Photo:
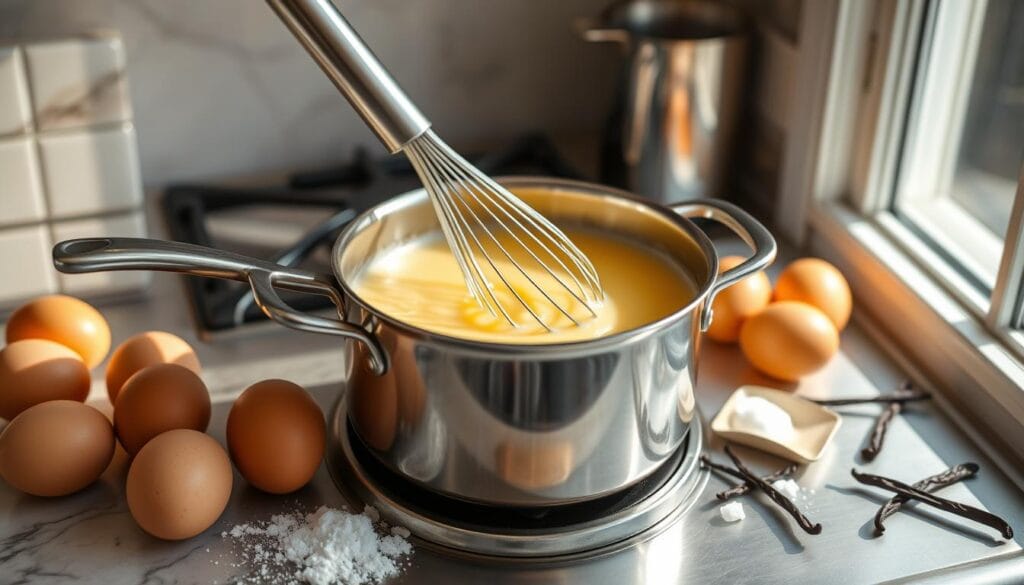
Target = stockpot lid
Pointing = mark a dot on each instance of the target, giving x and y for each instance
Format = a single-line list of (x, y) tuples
[(665, 20)]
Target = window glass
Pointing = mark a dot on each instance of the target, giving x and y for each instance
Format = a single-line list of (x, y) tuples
[(964, 143)]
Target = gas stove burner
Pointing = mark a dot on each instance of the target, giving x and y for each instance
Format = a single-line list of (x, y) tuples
[(554, 533)]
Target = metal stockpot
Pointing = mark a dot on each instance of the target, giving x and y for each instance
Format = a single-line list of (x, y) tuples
[(504, 424), (670, 134)]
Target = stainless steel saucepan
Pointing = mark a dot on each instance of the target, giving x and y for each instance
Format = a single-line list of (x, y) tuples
[(502, 424)]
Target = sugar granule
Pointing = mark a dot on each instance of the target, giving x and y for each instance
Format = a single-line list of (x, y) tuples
[(732, 512), (326, 546), (787, 487)]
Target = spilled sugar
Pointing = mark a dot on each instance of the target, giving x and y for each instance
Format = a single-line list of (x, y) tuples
[(323, 547), (787, 487), (732, 512)]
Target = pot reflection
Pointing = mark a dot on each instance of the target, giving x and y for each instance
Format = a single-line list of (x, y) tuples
[(391, 413), (537, 396), (534, 466), (382, 406), (663, 390)]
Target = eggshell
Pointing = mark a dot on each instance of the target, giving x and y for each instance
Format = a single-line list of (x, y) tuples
[(33, 371), (65, 320), (147, 349), (817, 283), (179, 484), (788, 340), (157, 399), (276, 436), (56, 448), (744, 299)]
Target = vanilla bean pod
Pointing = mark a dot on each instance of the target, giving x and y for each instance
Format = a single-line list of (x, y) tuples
[(707, 462), (906, 393), (962, 510), (775, 496), (878, 432), (935, 482), (746, 487)]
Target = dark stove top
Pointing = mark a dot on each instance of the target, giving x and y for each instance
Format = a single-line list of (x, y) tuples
[(295, 224)]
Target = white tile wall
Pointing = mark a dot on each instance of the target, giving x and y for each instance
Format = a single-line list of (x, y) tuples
[(102, 283), (28, 269), (21, 195), (78, 82), (92, 171), (14, 106), (69, 165)]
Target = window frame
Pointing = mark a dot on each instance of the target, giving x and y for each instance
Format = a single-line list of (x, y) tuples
[(856, 71), (929, 210)]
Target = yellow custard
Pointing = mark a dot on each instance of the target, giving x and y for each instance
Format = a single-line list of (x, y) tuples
[(420, 283)]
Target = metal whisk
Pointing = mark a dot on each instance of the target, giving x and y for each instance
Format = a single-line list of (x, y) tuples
[(507, 252)]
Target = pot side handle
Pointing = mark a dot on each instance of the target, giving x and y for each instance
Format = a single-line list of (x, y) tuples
[(102, 254), (747, 228)]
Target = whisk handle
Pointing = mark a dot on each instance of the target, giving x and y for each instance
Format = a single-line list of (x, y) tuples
[(354, 69)]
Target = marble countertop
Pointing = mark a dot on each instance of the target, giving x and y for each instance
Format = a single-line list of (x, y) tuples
[(90, 536)]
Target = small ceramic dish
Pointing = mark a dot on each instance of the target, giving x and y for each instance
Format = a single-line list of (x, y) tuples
[(813, 425)]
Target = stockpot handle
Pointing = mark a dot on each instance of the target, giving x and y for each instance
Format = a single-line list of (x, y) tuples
[(103, 254), (747, 228)]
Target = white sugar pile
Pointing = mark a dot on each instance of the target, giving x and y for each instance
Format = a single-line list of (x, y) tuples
[(757, 415), (324, 547)]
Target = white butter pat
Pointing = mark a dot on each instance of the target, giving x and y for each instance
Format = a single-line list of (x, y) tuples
[(787, 487), (732, 512), (757, 415)]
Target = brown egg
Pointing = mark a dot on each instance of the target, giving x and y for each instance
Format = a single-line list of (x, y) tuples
[(56, 448), (157, 399), (66, 320), (147, 349), (735, 304), (179, 484), (37, 370), (276, 435), (788, 340), (817, 283)]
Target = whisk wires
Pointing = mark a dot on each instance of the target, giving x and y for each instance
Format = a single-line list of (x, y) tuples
[(484, 223)]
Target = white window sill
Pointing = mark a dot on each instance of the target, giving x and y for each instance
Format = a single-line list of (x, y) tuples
[(930, 328), (952, 228)]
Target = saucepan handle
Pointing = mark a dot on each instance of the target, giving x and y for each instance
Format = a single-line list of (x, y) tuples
[(102, 254), (747, 228)]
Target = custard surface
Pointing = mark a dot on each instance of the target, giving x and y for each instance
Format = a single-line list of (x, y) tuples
[(420, 283)]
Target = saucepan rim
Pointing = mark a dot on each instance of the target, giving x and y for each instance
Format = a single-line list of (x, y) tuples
[(533, 350)]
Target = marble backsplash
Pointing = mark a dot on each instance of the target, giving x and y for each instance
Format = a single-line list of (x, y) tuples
[(220, 88)]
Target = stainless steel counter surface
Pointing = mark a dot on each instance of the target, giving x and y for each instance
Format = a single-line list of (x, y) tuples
[(90, 536)]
